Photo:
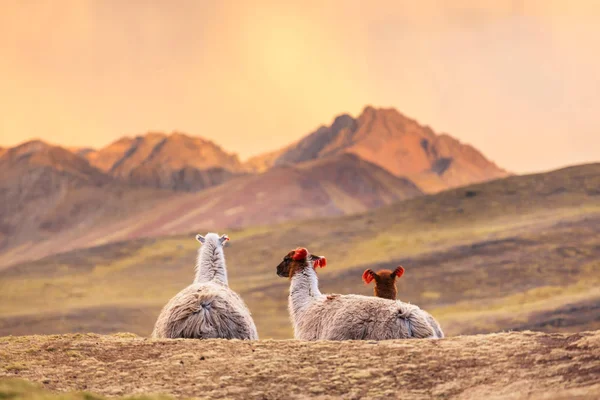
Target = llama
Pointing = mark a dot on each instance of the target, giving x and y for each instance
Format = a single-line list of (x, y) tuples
[(385, 287), (385, 281), (208, 308), (316, 316)]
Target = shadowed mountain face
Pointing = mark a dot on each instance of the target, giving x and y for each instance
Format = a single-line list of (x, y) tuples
[(175, 161), (35, 177), (396, 143), (333, 186), (55, 201), (36, 169), (46, 190)]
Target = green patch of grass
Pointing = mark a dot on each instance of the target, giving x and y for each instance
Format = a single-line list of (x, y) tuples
[(19, 389), (73, 354), (125, 335)]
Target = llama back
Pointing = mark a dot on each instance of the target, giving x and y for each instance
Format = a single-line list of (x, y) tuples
[(205, 311), (355, 317)]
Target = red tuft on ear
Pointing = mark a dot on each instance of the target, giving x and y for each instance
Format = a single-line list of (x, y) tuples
[(320, 262), (367, 276), (300, 254), (399, 271)]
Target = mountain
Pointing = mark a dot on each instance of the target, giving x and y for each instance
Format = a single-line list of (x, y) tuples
[(334, 186), (176, 161), (36, 169), (81, 151), (397, 143), (46, 190), (36, 177), (263, 162)]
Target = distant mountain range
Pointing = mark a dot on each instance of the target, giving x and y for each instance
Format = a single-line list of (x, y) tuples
[(55, 199)]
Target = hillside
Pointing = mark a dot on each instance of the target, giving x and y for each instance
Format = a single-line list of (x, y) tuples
[(517, 253), (36, 177), (176, 161), (47, 191), (394, 142), (508, 365), (334, 186)]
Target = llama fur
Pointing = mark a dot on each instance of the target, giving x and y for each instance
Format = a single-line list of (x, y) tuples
[(208, 308), (385, 288), (316, 316)]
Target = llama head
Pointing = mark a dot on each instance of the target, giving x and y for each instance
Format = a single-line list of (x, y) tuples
[(213, 238), (297, 260), (385, 281)]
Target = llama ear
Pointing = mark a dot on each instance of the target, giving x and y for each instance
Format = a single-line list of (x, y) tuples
[(300, 254), (200, 238), (223, 239), (319, 261), (368, 276), (399, 271)]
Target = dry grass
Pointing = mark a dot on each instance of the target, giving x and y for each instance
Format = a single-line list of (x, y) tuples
[(497, 366)]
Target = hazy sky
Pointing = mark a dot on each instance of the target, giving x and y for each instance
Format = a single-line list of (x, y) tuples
[(520, 80)]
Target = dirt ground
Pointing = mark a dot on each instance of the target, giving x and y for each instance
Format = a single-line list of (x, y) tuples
[(516, 365)]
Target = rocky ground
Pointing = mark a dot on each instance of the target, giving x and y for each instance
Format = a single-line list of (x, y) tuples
[(516, 365)]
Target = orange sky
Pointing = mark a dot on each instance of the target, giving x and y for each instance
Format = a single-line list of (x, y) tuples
[(519, 80)]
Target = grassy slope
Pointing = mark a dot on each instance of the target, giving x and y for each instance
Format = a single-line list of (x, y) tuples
[(14, 388), (517, 253)]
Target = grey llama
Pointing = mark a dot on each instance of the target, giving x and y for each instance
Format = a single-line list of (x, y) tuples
[(208, 308), (316, 316)]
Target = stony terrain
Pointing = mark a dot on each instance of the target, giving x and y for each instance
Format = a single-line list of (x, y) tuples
[(513, 365)]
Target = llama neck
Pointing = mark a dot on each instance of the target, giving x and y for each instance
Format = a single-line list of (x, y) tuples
[(210, 264), (303, 290), (385, 292)]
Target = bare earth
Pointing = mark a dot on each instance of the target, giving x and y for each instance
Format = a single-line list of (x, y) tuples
[(515, 365)]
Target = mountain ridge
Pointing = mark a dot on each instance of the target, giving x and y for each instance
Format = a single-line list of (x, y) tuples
[(92, 213), (383, 136), (173, 161), (397, 143)]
